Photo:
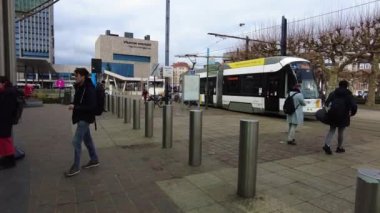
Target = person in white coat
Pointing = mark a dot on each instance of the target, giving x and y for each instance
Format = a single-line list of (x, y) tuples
[(295, 119)]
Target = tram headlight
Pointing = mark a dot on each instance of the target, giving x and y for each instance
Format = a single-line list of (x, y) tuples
[(318, 103)]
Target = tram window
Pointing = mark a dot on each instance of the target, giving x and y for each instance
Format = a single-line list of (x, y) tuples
[(251, 84), (231, 85)]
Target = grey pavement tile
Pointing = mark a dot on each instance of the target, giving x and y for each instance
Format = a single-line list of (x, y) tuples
[(84, 195), (349, 172), (86, 207), (333, 204), (66, 197), (274, 180), (339, 178), (273, 166), (221, 192), (306, 159), (302, 191), (305, 207), (347, 194), (165, 205), (312, 169), (261, 203), (291, 162), (329, 165), (283, 195), (67, 208), (294, 174), (105, 205), (215, 208), (190, 200), (176, 185), (204, 179), (322, 185)]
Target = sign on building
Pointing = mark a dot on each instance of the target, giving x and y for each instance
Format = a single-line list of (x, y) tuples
[(191, 85), (365, 66), (168, 71)]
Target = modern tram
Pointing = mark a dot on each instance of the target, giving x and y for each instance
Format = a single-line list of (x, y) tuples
[(261, 85)]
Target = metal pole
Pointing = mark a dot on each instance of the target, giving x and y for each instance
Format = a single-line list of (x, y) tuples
[(195, 143), (249, 139), (207, 70), (7, 40), (136, 114), (149, 107), (167, 123), (367, 191), (167, 40), (167, 34)]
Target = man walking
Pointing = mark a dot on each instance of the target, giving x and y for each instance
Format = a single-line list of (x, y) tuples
[(296, 118), (83, 115), (342, 107)]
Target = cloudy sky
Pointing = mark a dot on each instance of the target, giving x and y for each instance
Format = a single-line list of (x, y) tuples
[(78, 23)]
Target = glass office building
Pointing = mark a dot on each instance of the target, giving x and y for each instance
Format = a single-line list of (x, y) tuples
[(35, 34)]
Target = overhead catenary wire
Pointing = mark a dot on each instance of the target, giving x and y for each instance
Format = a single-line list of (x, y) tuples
[(299, 20)]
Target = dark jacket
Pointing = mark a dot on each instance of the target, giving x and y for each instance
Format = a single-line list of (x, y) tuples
[(8, 104), (84, 103), (342, 107)]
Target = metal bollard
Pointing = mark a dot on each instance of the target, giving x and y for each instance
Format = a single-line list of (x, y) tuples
[(113, 104), (149, 106), (106, 103), (167, 123), (367, 197), (127, 110), (136, 114), (118, 106), (195, 143), (248, 145)]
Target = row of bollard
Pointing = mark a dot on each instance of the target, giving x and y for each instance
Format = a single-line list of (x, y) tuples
[(367, 191), (248, 144)]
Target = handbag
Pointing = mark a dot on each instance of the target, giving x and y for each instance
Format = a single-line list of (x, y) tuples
[(322, 116)]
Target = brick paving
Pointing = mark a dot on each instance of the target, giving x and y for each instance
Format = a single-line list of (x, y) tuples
[(131, 165)]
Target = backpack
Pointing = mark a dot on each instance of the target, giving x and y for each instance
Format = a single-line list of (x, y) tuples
[(289, 107), (100, 99)]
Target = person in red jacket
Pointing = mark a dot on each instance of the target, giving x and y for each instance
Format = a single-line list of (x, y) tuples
[(8, 111)]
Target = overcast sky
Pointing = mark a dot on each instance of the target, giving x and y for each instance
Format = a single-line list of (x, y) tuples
[(78, 23)]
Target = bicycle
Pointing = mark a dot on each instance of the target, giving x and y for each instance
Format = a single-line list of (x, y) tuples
[(157, 100)]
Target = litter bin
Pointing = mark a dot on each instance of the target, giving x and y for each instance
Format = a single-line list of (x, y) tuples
[(67, 97), (367, 191)]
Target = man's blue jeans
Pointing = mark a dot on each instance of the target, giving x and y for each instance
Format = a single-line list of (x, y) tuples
[(82, 133)]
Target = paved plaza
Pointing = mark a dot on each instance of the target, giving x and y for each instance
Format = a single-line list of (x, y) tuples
[(137, 175)]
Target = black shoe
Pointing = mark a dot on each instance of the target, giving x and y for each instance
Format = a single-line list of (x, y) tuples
[(292, 142), (73, 171), (91, 164), (7, 162), (340, 150), (327, 150)]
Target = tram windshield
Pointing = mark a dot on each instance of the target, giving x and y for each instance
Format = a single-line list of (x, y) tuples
[(305, 77)]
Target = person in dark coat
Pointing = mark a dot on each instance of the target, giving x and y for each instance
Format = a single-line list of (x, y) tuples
[(83, 115), (342, 106), (8, 111)]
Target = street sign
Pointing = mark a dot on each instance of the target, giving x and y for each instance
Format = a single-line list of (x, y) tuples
[(155, 70), (192, 72), (168, 71), (191, 85)]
